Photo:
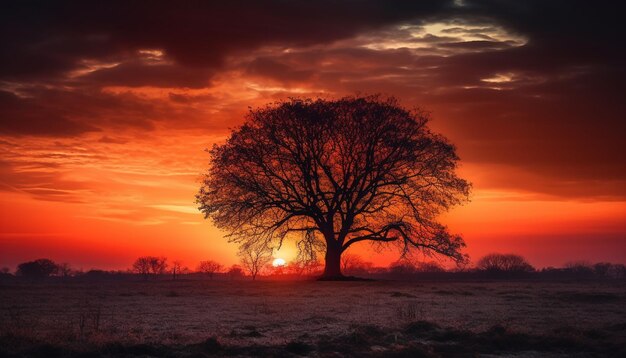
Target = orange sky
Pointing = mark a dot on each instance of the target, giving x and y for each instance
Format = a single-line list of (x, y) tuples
[(103, 127)]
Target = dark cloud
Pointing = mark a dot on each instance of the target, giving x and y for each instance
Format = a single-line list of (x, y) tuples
[(138, 73), (31, 116), (550, 106), (45, 38), (474, 45), (267, 67), (56, 112)]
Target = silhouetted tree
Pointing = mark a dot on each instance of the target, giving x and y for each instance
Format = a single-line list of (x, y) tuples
[(142, 266), (209, 268), (5, 271), (602, 268), (580, 268), (176, 268), (335, 172), (254, 257), (402, 267), (64, 269), (504, 263), (150, 265), (430, 266), (158, 265), (350, 262), (37, 269), (616, 271), (304, 267), (235, 272)]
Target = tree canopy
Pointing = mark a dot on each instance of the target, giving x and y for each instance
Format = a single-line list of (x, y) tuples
[(332, 173), (37, 269), (504, 263)]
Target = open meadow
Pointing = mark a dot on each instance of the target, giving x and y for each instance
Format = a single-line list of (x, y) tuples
[(310, 318)]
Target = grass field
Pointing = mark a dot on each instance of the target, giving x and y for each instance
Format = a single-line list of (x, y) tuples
[(378, 318)]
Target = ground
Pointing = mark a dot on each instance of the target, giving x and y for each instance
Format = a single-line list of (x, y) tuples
[(376, 318)]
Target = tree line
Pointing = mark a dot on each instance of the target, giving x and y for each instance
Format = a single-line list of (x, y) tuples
[(255, 264)]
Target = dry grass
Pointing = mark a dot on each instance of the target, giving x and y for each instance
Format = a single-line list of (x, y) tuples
[(297, 317)]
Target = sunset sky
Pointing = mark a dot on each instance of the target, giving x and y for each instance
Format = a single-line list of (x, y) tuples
[(106, 109)]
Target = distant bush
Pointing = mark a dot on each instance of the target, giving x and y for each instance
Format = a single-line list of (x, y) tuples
[(150, 266), (40, 268), (430, 266), (504, 263), (580, 268), (235, 272), (5, 274), (209, 268), (402, 268), (354, 265)]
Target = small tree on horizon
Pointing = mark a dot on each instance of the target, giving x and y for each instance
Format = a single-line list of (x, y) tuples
[(64, 269), (209, 267), (39, 268), (235, 272), (254, 257), (334, 173), (176, 268), (510, 263), (429, 266), (350, 261), (150, 266)]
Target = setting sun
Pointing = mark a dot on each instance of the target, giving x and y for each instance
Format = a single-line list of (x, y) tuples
[(278, 262)]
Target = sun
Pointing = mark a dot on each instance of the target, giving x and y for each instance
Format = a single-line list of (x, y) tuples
[(278, 262)]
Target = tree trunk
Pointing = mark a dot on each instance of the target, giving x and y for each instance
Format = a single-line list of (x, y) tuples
[(332, 269)]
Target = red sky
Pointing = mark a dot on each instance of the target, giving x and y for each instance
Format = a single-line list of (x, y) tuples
[(105, 113)]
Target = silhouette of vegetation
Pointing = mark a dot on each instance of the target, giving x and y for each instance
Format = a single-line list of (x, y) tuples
[(350, 262), (40, 268), (209, 268), (254, 257), (492, 266), (333, 173), (504, 263), (176, 268), (235, 272), (150, 266), (64, 269)]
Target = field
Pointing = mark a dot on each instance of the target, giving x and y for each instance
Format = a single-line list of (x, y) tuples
[(271, 318)]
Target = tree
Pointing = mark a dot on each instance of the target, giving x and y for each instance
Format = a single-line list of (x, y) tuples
[(335, 173), (142, 266), (355, 265), (504, 263), (350, 262), (150, 265), (234, 272), (402, 267), (37, 269), (306, 267), (430, 266), (64, 269), (158, 265), (176, 269), (579, 267), (254, 257), (209, 268)]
